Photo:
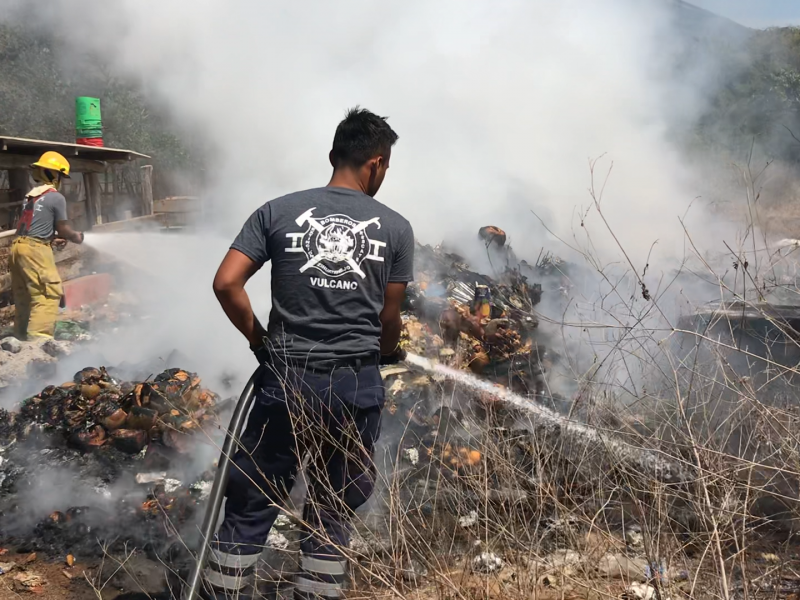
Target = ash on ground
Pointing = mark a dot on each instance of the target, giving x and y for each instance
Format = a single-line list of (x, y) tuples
[(97, 463)]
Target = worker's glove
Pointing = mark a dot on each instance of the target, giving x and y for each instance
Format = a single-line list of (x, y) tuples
[(80, 233), (262, 354), (397, 355)]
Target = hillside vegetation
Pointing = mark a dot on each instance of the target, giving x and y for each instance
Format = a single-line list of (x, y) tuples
[(38, 91), (758, 102), (754, 102)]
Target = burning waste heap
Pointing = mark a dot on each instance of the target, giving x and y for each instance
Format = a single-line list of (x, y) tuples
[(134, 447), (145, 431), (467, 319), (122, 441), (94, 410)]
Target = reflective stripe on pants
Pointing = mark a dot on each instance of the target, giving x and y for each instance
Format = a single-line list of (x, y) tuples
[(320, 577), (230, 573)]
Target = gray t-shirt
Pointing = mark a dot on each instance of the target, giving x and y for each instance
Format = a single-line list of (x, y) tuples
[(333, 251), (40, 214)]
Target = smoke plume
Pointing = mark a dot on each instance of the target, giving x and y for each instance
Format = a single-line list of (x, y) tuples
[(500, 108)]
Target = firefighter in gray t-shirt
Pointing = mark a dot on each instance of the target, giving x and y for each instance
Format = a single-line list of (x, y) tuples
[(34, 277), (341, 261)]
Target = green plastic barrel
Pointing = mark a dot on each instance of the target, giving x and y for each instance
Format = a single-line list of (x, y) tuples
[(87, 113), (89, 133)]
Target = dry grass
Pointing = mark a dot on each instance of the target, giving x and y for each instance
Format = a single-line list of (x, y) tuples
[(568, 519)]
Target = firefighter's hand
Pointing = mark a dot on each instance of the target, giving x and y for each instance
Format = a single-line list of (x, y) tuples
[(262, 354), (398, 355)]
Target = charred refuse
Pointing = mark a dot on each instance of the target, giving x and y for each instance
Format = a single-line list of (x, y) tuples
[(468, 319), (95, 409), (102, 431)]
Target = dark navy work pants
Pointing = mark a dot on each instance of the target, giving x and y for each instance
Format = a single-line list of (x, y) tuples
[(334, 418)]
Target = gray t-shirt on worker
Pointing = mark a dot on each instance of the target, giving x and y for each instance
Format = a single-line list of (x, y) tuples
[(333, 252), (40, 214)]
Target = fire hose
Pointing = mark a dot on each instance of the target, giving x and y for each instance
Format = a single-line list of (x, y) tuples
[(217, 495), (647, 461)]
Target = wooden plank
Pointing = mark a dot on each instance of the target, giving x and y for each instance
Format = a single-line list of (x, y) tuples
[(94, 199), (21, 161), (147, 190), (178, 204), (134, 224), (20, 183), (69, 148)]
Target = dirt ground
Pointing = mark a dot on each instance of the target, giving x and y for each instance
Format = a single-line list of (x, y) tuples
[(14, 367), (770, 576), (56, 581), (82, 581)]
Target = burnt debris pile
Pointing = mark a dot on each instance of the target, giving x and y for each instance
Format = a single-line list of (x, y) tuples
[(138, 448), (95, 410), (469, 320), (450, 440), (441, 440), (131, 458)]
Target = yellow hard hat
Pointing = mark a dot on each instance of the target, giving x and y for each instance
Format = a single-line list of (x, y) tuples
[(53, 161)]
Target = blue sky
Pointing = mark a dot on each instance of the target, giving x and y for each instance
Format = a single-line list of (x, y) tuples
[(755, 13)]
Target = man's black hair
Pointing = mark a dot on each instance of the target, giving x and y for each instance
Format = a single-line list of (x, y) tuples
[(360, 136)]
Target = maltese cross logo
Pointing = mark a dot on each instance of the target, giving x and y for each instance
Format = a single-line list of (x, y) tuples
[(335, 245)]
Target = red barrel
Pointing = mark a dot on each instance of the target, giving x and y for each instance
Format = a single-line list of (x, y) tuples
[(97, 142)]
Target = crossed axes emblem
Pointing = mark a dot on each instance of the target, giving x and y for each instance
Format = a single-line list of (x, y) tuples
[(307, 218)]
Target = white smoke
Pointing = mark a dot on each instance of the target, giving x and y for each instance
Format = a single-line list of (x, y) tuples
[(499, 106)]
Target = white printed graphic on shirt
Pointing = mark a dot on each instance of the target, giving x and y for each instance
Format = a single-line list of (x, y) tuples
[(335, 245)]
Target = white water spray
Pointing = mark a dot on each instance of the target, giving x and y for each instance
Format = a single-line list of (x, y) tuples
[(643, 460), (169, 275), (136, 249)]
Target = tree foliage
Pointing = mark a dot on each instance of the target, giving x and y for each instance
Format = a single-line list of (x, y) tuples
[(38, 91), (758, 103), (755, 98)]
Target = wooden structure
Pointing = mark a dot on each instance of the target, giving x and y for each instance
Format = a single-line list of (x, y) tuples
[(178, 211), (90, 198), (92, 166)]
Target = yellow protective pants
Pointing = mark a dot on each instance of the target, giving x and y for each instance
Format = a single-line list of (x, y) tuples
[(36, 286)]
